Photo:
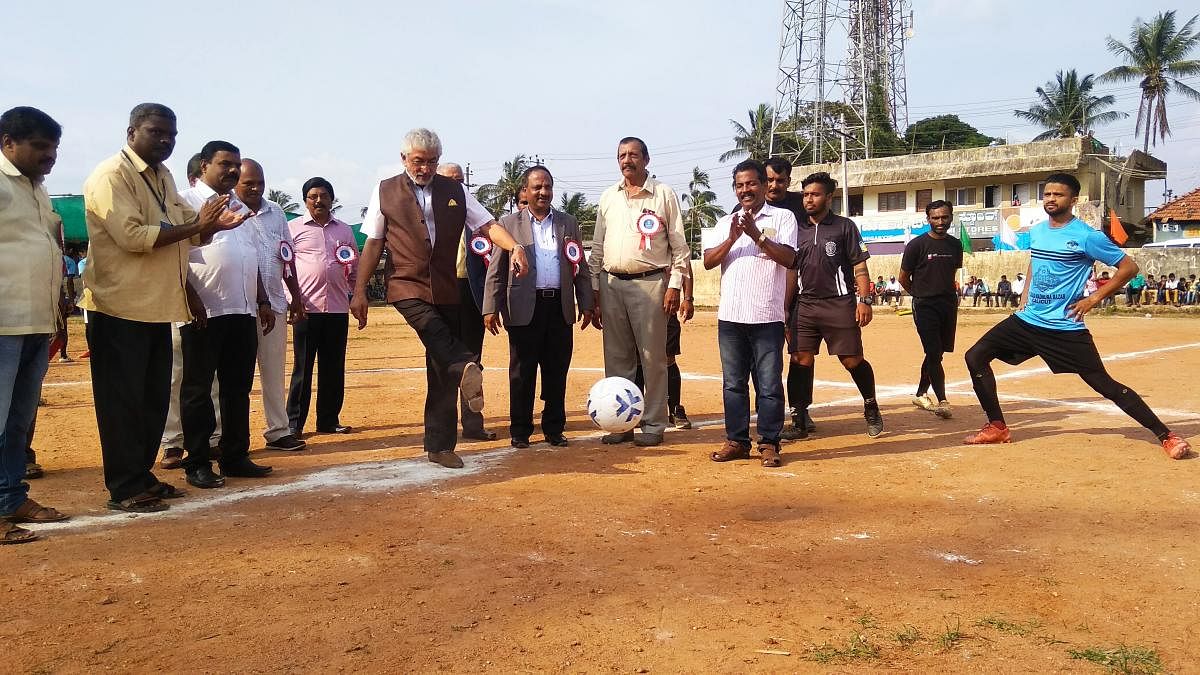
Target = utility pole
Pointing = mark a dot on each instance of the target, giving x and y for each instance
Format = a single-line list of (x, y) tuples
[(468, 184), (845, 172)]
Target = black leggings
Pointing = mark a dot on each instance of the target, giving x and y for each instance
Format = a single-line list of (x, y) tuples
[(933, 374), (979, 364)]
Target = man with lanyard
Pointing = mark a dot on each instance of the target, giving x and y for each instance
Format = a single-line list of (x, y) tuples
[(750, 247), (224, 272), (639, 260), (419, 216), (1049, 320), (779, 179), (927, 270), (471, 270), (277, 268), (135, 287), (831, 260)]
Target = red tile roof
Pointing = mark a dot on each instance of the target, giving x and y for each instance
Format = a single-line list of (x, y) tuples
[(1186, 208)]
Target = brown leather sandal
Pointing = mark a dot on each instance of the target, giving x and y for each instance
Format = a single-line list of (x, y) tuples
[(33, 512), (11, 534), (730, 451), (770, 454)]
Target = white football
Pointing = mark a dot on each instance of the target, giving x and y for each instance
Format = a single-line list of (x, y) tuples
[(615, 404)]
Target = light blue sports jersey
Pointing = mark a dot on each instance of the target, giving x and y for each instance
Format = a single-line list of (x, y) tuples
[(1061, 261)]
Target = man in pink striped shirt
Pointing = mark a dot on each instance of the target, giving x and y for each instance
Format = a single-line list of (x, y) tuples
[(326, 260), (756, 273)]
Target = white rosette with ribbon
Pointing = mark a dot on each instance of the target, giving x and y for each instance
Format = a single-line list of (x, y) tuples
[(344, 254), (287, 254), (648, 225), (574, 252), (482, 247)]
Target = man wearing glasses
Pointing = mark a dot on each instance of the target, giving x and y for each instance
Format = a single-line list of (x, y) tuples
[(419, 217)]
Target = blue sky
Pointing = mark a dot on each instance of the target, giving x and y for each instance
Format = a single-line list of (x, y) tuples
[(329, 88)]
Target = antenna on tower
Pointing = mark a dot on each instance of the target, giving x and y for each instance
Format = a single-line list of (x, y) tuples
[(833, 54)]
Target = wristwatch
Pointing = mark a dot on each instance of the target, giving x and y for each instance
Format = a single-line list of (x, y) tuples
[(690, 298), (762, 236), (866, 300)]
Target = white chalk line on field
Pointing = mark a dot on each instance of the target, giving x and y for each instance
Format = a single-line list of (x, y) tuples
[(413, 472)]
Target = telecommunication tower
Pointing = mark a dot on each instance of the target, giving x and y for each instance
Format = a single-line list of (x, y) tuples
[(832, 55)]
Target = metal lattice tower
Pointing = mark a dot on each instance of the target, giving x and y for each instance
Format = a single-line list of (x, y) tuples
[(830, 53)]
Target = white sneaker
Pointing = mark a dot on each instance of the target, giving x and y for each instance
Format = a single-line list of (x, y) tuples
[(942, 410), (924, 402)]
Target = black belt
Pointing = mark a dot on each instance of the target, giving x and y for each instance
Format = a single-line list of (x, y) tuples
[(547, 293), (638, 275)]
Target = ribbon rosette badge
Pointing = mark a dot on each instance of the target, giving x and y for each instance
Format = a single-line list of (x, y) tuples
[(345, 255), (287, 255), (574, 252), (482, 247), (648, 224)]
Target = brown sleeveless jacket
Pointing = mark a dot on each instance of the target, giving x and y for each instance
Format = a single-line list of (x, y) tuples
[(414, 269)]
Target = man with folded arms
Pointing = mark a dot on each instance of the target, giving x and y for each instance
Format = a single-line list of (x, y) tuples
[(135, 286), (419, 216)]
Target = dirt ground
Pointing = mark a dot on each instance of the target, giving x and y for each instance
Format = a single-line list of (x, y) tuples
[(909, 552)]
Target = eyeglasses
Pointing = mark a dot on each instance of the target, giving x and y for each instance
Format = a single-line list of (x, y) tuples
[(429, 163)]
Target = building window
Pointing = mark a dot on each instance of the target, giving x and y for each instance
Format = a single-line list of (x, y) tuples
[(1021, 194), (837, 206), (961, 196), (923, 199), (991, 196), (1041, 190), (891, 201), (856, 205)]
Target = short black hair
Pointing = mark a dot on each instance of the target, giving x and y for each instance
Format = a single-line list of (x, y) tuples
[(635, 139), (23, 123), (316, 182), (779, 165), (750, 165), (143, 111), (529, 171), (193, 168), (211, 149), (821, 178), (938, 204), (1065, 179)]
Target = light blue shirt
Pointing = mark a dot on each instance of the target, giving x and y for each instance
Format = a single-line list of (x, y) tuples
[(1061, 259), (545, 246)]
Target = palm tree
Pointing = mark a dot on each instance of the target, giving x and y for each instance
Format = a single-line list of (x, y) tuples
[(577, 205), (1154, 56), (754, 142), (501, 196), (284, 200), (702, 209), (1067, 107)]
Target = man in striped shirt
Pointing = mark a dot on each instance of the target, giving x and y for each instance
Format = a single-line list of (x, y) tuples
[(755, 274)]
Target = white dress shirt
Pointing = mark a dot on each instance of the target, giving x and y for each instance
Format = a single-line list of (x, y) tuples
[(374, 224), (270, 226), (226, 269), (753, 286), (545, 246)]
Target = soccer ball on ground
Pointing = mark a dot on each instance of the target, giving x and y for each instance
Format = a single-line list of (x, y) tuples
[(615, 404)]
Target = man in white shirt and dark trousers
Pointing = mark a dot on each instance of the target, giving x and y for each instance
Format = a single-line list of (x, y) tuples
[(755, 275), (224, 273), (277, 268)]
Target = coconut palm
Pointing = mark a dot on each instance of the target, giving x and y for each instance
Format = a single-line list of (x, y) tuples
[(1155, 57), (284, 200), (501, 196), (1067, 107), (702, 209), (576, 204), (753, 142)]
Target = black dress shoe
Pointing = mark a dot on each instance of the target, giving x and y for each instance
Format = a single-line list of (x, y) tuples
[(479, 435), (203, 478), (518, 443), (558, 441), (244, 468), (339, 429)]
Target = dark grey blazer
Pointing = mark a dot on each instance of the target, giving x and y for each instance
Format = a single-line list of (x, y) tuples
[(515, 298)]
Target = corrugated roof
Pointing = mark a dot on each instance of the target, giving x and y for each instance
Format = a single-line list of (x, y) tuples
[(1186, 208)]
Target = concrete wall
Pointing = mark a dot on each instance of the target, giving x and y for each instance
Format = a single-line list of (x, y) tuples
[(989, 265)]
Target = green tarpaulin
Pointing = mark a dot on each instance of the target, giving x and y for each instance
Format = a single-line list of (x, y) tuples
[(70, 209)]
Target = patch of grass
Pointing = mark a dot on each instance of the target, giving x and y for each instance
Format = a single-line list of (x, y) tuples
[(1122, 659), (1003, 625), (908, 637), (857, 647), (950, 638), (866, 621)]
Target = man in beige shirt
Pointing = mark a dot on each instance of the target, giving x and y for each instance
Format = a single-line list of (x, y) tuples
[(639, 260), (135, 286), (31, 267)]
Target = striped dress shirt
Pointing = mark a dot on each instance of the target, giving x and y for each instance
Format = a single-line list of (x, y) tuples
[(753, 286)]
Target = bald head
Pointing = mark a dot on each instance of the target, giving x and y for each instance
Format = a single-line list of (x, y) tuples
[(452, 171), (251, 184)]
